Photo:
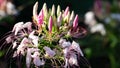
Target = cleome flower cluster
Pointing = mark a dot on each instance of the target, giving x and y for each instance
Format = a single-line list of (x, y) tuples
[(47, 38)]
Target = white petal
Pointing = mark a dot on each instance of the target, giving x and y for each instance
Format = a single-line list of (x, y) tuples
[(62, 40), (17, 27), (49, 52), (76, 47), (28, 25), (73, 60), (28, 58), (9, 39), (14, 44), (66, 44)]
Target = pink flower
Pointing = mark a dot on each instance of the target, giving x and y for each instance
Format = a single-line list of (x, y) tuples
[(50, 24), (75, 22)]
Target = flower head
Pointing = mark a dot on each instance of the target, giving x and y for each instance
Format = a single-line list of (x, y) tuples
[(40, 42)]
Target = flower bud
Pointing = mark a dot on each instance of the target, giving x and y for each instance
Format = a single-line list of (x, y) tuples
[(75, 22), (45, 10), (53, 10), (59, 19), (50, 24), (66, 18), (66, 11), (40, 17), (35, 7), (71, 19), (71, 16), (58, 10)]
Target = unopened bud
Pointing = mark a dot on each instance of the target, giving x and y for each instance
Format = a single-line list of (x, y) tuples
[(59, 19), (50, 24), (71, 16), (45, 10), (53, 10), (40, 17), (67, 17), (58, 10), (75, 22), (66, 11), (35, 7)]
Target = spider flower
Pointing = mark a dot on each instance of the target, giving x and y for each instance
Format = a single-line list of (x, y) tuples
[(50, 28)]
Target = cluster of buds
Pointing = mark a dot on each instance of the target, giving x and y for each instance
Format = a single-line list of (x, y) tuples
[(45, 41), (56, 25)]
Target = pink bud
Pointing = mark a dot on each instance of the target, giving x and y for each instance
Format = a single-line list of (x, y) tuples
[(59, 19), (75, 22), (50, 24), (40, 17), (66, 11)]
